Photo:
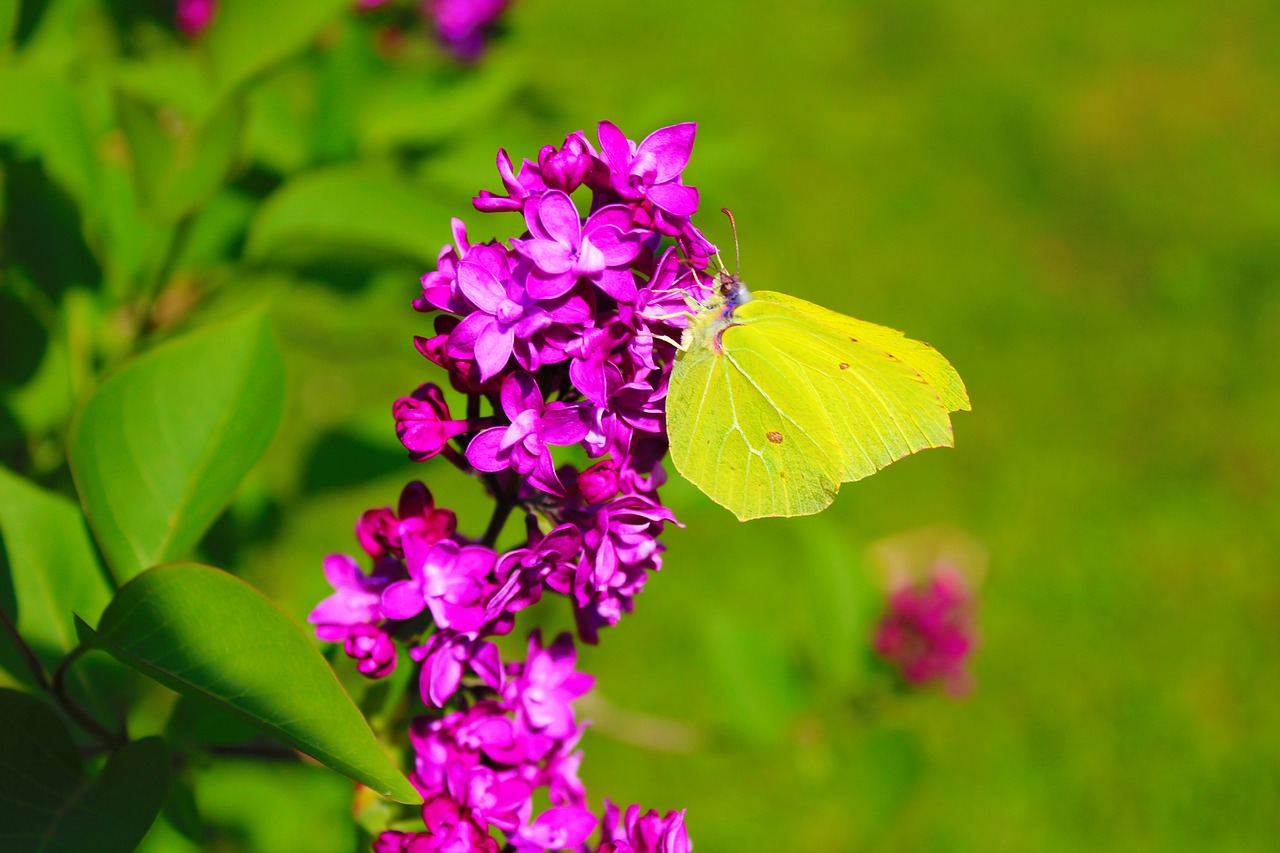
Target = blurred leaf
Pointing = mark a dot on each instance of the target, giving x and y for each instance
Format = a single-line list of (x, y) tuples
[(50, 571), (40, 112), (413, 109), (347, 210), (47, 802), (248, 36), (282, 808), (178, 163), (203, 632), (8, 20), (159, 448)]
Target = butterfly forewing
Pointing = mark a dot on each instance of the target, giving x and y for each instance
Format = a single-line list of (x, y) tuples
[(927, 361)]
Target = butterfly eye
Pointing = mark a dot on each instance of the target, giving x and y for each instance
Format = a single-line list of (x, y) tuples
[(728, 285)]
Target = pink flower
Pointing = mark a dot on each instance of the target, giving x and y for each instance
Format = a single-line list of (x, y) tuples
[(928, 633), (523, 446), (193, 17)]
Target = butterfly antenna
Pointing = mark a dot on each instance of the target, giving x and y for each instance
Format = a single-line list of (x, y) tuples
[(737, 254)]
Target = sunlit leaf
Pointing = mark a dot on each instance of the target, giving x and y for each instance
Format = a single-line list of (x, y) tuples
[(160, 447), (348, 210), (49, 803), (203, 632)]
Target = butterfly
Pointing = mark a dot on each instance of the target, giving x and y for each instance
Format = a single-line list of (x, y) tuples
[(774, 402)]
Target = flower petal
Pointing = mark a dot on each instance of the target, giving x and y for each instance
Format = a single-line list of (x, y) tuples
[(668, 150), (676, 199), (484, 452)]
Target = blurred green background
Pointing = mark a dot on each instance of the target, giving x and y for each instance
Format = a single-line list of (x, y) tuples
[(1077, 203)]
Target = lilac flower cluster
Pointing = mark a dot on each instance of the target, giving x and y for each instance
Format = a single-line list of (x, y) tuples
[(558, 338), (928, 634)]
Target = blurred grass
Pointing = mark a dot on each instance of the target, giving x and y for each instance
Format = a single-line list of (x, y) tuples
[(1078, 204)]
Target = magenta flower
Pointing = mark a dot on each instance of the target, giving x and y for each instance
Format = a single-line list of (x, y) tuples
[(461, 24), (423, 424), (356, 600), (518, 186), (558, 828), (507, 314), (651, 170), (647, 833), (544, 688), (522, 571), (444, 658), (567, 167), (193, 17), (523, 446), (379, 530), (373, 651), (599, 483), (928, 632), (495, 798), (563, 247), (446, 577)]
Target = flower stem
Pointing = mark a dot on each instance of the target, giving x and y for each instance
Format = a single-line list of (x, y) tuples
[(501, 512), (28, 656), (82, 717)]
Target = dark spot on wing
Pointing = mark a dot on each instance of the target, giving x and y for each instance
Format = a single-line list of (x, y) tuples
[(774, 436), (855, 340), (844, 365)]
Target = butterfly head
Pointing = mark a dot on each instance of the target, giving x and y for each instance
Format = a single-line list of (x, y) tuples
[(730, 291)]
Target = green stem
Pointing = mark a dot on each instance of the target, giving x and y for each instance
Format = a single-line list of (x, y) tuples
[(28, 656), (506, 502), (80, 715)]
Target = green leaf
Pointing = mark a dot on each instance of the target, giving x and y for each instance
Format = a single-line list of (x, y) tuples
[(159, 449), (248, 36), (206, 633), (49, 803), (345, 211), (178, 163), (50, 570)]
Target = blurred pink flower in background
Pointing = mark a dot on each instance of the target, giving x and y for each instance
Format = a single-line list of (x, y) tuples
[(192, 17), (928, 632)]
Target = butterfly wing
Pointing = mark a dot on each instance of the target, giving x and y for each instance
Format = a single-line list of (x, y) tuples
[(799, 400), (741, 440), (933, 368)]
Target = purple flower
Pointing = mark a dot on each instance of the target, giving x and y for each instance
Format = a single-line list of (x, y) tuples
[(379, 530), (558, 828), (373, 651), (507, 314), (928, 632), (518, 186), (566, 168), (563, 247), (599, 483), (651, 170), (522, 446), (647, 833), (461, 24), (522, 571), (495, 798), (444, 658), (446, 577), (193, 17), (356, 599), (423, 424), (544, 688)]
